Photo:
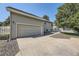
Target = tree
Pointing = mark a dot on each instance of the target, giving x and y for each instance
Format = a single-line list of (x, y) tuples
[(67, 16), (74, 22), (7, 22), (0, 23), (46, 17)]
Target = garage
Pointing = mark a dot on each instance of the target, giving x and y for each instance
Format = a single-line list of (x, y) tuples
[(28, 30), (24, 24)]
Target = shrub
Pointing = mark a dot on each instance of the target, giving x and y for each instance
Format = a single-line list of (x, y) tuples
[(4, 37)]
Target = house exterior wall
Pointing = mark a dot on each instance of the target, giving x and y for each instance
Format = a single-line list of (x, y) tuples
[(17, 18), (47, 26)]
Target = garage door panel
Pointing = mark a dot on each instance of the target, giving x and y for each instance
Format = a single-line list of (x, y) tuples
[(27, 30)]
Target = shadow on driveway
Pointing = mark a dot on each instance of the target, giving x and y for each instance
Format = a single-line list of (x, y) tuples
[(36, 36), (64, 35)]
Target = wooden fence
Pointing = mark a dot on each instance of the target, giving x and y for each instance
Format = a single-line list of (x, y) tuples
[(4, 32)]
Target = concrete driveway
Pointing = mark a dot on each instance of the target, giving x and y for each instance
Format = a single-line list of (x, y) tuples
[(48, 46)]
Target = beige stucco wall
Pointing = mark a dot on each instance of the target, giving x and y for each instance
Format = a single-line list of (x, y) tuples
[(16, 18)]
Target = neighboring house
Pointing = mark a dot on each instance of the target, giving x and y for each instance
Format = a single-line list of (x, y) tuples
[(55, 28), (26, 24)]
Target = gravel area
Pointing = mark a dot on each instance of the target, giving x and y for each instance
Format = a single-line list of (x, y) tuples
[(8, 48)]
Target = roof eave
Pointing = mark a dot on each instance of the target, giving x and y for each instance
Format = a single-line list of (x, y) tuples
[(25, 14)]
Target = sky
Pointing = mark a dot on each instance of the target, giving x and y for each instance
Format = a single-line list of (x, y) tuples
[(38, 9)]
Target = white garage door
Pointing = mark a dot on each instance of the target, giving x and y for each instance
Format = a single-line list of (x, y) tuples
[(28, 30)]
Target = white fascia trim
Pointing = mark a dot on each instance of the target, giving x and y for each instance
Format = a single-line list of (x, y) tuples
[(28, 24)]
